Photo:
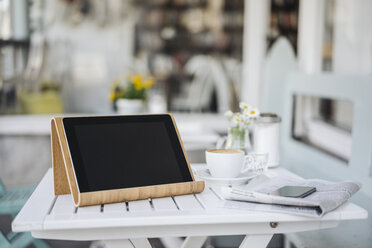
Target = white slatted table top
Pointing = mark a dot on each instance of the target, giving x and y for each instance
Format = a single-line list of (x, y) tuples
[(50, 216)]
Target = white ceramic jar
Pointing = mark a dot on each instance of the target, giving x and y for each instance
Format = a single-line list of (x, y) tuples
[(267, 137)]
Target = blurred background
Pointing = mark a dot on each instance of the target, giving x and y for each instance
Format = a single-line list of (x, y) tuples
[(202, 57)]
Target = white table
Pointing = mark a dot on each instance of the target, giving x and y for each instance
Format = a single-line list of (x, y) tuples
[(130, 224)]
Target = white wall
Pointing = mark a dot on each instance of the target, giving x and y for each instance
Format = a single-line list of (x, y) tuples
[(352, 50)]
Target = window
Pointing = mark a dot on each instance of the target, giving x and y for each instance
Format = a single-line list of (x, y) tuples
[(324, 123)]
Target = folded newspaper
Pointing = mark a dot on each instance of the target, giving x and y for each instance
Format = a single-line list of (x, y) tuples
[(256, 195)]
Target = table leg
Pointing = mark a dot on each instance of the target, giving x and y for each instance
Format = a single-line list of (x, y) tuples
[(118, 243), (193, 242), (141, 243), (256, 241), (126, 243), (170, 242)]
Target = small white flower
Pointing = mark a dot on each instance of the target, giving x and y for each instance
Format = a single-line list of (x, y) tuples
[(235, 121), (242, 119), (253, 112), (229, 114), (246, 116), (243, 106)]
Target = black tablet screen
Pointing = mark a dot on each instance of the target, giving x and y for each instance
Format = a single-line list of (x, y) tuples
[(125, 151)]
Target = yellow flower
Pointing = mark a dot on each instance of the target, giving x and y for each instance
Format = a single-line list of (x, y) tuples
[(112, 96), (138, 86), (136, 80)]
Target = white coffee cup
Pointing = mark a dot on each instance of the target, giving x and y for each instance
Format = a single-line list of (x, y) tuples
[(226, 163)]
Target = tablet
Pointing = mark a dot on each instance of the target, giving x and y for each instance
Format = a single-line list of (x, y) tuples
[(116, 152)]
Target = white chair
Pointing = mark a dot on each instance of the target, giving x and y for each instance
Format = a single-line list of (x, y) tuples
[(197, 94), (208, 74), (222, 85), (281, 84), (233, 69)]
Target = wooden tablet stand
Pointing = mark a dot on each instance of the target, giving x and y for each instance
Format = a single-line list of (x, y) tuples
[(65, 180)]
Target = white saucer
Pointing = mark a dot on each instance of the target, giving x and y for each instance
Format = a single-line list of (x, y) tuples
[(243, 178), (273, 165)]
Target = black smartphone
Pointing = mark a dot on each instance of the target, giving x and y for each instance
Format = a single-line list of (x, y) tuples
[(294, 191)]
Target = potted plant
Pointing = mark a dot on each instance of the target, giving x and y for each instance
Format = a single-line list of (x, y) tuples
[(129, 96)]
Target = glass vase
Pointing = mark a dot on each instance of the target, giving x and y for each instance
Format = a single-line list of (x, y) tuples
[(238, 138)]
